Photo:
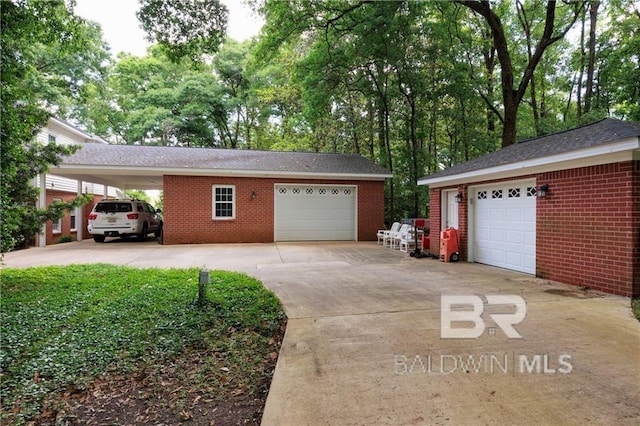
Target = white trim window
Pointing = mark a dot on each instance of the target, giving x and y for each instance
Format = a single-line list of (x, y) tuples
[(56, 225), (72, 219), (224, 202)]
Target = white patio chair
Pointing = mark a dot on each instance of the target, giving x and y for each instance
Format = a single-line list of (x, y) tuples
[(408, 240), (393, 240), (382, 233)]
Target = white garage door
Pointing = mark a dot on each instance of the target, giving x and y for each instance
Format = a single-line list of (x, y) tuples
[(315, 212), (504, 234)]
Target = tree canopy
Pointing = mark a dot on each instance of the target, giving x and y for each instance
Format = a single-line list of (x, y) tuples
[(414, 86), (184, 28), (48, 57)]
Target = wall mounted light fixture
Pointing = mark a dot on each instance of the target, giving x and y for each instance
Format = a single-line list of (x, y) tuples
[(459, 197), (254, 194), (543, 191)]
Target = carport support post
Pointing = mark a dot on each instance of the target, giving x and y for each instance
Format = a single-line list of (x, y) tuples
[(79, 218), (202, 287), (42, 203)]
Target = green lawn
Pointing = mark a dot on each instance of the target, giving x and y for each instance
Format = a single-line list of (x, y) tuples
[(63, 327)]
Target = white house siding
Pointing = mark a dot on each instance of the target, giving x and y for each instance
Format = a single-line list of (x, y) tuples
[(71, 185), (66, 134)]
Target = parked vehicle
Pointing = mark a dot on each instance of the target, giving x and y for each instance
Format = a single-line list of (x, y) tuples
[(122, 218)]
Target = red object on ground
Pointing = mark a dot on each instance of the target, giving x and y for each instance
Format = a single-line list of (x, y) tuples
[(449, 247)]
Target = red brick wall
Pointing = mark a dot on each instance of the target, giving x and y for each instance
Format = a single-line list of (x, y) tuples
[(636, 229), (435, 209), (188, 209), (435, 221), (85, 214), (463, 228), (370, 209), (588, 227), (66, 220), (585, 227)]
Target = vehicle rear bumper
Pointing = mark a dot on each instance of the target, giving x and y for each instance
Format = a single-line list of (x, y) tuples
[(112, 232)]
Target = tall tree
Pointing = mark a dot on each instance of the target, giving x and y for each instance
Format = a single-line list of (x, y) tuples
[(27, 29), (184, 28), (512, 93), (617, 88)]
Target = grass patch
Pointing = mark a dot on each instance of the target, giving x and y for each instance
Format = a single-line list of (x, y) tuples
[(64, 327), (635, 306)]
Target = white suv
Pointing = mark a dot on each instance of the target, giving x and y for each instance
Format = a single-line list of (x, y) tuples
[(121, 218)]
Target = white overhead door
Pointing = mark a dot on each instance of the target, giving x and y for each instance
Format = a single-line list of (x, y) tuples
[(504, 232), (315, 212)]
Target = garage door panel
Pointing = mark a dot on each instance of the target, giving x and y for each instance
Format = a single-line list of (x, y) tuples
[(496, 235), (514, 236), (504, 226), (530, 240), (530, 259), (513, 258), (496, 215), (513, 215), (314, 213), (302, 224), (482, 234)]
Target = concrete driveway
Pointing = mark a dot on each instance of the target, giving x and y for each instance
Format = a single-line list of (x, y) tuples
[(364, 345)]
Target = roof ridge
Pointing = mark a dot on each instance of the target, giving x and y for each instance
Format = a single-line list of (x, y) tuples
[(566, 130), (239, 149), (598, 133)]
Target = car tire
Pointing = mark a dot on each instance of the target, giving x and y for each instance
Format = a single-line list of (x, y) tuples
[(99, 238), (143, 235), (158, 232)]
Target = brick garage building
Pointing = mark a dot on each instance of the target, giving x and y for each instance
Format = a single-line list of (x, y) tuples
[(565, 207), (232, 196)]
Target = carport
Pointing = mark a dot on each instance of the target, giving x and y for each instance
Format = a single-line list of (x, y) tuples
[(86, 175)]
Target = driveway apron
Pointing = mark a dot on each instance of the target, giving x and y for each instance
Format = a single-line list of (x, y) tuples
[(364, 344)]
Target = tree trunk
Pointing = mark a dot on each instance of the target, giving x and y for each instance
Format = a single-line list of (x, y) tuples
[(568, 106), (593, 19), (489, 55), (581, 72), (526, 27), (385, 152), (371, 130), (509, 127)]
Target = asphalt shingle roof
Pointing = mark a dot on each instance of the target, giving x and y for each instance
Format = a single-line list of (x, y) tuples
[(591, 135), (156, 157)]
